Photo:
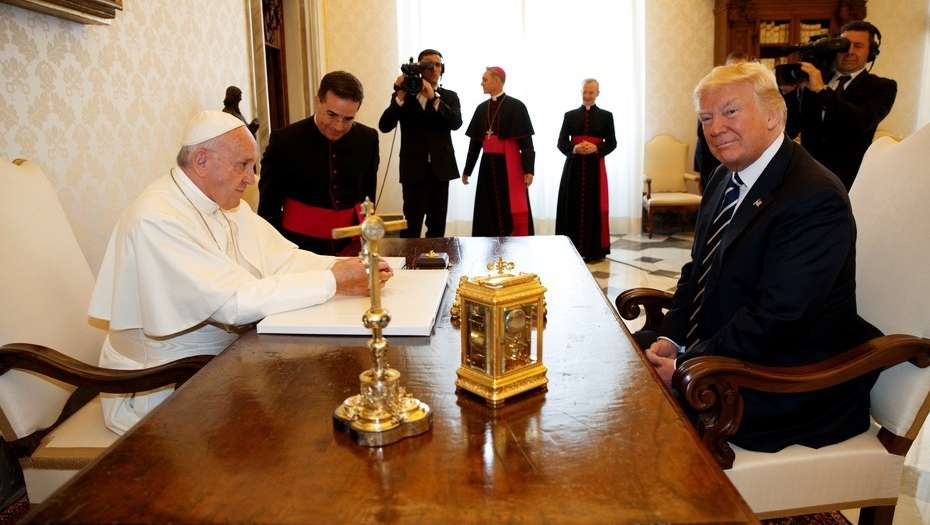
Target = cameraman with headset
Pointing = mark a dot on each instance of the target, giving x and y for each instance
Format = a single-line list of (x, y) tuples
[(427, 160), (837, 118)]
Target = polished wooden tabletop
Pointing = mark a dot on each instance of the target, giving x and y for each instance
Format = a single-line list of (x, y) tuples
[(250, 438)]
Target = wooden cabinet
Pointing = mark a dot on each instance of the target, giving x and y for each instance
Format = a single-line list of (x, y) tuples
[(756, 27)]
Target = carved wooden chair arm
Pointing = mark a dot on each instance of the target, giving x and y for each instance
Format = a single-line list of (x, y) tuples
[(56, 365), (630, 303), (711, 384)]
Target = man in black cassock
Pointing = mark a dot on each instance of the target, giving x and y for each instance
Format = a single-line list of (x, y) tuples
[(501, 128), (318, 171), (587, 136)]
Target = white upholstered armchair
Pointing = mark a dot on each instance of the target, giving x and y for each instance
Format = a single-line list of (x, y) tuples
[(667, 184), (893, 292), (45, 288)]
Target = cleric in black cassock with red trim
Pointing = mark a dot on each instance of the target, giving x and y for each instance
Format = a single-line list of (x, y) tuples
[(318, 171), (587, 136), (501, 128)]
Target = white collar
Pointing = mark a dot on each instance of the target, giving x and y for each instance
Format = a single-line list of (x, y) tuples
[(751, 173), (497, 96), (199, 199)]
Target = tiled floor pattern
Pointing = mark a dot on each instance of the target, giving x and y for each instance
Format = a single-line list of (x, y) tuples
[(635, 260)]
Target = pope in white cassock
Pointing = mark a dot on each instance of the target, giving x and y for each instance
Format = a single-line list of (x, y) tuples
[(189, 264)]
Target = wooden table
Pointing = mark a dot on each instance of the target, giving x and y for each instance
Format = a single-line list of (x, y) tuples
[(250, 438)]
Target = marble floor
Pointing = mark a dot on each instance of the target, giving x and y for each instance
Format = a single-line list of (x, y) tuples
[(635, 260)]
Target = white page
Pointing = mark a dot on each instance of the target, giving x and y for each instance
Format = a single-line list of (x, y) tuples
[(411, 297)]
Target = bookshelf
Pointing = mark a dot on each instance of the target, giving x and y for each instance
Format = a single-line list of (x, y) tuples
[(758, 27)]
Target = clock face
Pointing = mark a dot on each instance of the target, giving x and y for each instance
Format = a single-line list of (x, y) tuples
[(517, 341), (515, 322)]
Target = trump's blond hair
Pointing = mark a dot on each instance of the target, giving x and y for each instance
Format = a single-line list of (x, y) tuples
[(761, 78)]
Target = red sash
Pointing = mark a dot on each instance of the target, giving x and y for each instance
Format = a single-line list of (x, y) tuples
[(516, 185), (317, 222), (605, 231)]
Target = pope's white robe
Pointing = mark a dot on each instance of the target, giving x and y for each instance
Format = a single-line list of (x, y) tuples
[(171, 279)]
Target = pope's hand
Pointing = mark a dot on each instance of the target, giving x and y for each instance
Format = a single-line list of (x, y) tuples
[(352, 279)]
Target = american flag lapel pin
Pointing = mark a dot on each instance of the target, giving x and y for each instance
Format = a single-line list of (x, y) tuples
[(757, 203)]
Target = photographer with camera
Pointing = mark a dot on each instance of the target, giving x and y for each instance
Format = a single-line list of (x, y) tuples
[(837, 118), (427, 114)]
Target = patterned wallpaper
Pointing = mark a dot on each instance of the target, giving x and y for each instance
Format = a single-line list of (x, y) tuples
[(679, 52), (102, 108)]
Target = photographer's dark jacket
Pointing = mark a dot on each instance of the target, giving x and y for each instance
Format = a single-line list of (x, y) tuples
[(301, 165), (426, 135), (837, 127)]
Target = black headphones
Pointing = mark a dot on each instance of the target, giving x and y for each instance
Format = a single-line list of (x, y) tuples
[(875, 36), (442, 65)]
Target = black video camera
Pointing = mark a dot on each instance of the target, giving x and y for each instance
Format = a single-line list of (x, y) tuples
[(821, 53), (413, 75)]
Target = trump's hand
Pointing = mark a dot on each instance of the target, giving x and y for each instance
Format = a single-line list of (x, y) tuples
[(528, 179), (661, 355)]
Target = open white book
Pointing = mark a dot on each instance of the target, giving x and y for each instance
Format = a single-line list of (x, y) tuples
[(411, 297)]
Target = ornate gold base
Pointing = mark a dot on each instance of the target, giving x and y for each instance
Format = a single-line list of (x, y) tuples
[(383, 413), (496, 391)]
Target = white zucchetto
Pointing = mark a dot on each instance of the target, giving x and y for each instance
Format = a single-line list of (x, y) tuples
[(206, 125)]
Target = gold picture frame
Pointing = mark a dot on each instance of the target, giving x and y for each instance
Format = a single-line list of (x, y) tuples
[(100, 12)]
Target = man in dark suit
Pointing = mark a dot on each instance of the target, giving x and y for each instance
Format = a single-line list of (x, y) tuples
[(837, 119), (318, 171), (427, 161), (772, 272)]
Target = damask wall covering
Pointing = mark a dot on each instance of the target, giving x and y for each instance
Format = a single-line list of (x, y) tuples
[(102, 108)]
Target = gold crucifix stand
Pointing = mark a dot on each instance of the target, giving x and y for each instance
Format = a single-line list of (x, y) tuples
[(383, 412)]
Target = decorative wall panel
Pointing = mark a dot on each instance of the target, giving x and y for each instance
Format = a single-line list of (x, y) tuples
[(102, 108)]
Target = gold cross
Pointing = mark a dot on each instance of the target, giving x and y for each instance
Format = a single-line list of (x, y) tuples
[(500, 265), (372, 230)]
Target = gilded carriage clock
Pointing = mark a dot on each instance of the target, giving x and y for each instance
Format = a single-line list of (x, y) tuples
[(502, 319)]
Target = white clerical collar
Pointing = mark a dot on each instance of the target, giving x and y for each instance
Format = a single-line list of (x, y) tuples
[(497, 96), (588, 106), (751, 173), (200, 201)]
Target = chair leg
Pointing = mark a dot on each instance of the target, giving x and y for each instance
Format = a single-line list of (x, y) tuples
[(649, 223), (883, 515)]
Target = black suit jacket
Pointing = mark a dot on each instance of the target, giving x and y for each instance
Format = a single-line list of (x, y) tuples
[(837, 127), (781, 293), (426, 135)]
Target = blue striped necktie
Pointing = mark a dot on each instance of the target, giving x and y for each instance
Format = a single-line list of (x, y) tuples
[(706, 263)]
